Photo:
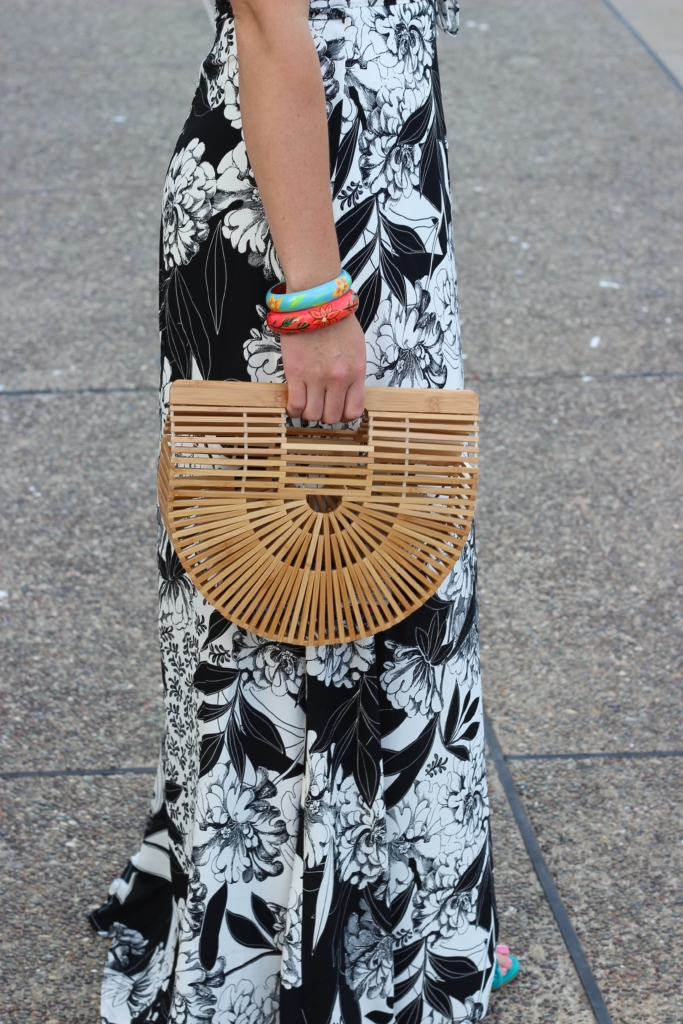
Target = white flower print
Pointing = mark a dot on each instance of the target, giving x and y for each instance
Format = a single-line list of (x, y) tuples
[(463, 799), (266, 663), (341, 664), (290, 969), (414, 679), (387, 166), (247, 832), (246, 1003), (406, 37), (176, 593), (413, 833), (405, 349), (194, 994), (263, 353), (441, 909), (244, 224), (459, 583), (369, 957), (126, 995), (361, 836), (186, 208), (318, 807)]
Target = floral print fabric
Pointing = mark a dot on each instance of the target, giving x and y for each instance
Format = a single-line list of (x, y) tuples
[(318, 848)]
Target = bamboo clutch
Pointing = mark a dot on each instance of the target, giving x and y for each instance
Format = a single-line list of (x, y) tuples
[(317, 536)]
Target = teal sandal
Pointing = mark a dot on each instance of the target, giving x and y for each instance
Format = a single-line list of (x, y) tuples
[(502, 975)]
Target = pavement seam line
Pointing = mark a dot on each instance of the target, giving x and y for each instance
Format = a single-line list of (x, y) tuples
[(548, 379), (552, 896), (625, 754), (646, 46), (59, 773)]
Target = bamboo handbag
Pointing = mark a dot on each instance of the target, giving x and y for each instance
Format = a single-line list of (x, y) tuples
[(317, 536)]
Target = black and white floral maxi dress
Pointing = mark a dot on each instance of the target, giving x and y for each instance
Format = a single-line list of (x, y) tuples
[(318, 845)]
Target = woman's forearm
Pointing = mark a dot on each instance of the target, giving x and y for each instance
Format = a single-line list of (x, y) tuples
[(282, 102)]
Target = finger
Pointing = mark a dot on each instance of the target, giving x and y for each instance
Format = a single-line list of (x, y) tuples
[(296, 397), (354, 404), (334, 404), (315, 402)]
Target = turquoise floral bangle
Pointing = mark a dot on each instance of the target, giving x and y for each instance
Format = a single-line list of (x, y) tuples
[(289, 302)]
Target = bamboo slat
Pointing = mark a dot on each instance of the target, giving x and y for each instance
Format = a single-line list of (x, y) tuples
[(314, 535)]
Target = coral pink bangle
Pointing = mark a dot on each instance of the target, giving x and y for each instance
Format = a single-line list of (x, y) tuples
[(313, 319)]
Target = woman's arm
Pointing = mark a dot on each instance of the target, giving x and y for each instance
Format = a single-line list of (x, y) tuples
[(282, 101)]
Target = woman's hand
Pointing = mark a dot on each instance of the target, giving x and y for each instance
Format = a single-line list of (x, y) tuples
[(282, 101), (325, 372)]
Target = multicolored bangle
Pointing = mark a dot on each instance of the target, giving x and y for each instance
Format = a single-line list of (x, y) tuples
[(324, 315), (289, 302)]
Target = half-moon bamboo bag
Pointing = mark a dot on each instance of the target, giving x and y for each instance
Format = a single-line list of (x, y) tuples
[(317, 536)]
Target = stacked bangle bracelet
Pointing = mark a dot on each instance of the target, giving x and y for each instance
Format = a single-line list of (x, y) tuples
[(290, 302), (315, 318), (313, 308)]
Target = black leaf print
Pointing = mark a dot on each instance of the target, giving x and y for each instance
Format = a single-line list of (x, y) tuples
[(452, 966), (436, 998), (353, 94), (453, 716), (404, 241), (471, 876), (233, 741), (347, 151), (218, 625), (471, 732), (486, 899), (462, 753), (379, 1017), (400, 904), (390, 719), (245, 932), (212, 679), (210, 712), (369, 294), (172, 791), (210, 752), (407, 763), (389, 266), (334, 124), (211, 926), (379, 910), (263, 914), (261, 740), (469, 621), (348, 1003), (352, 225), (412, 1013), (415, 127), (410, 253), (402, 988), (464, 986), (430, 168), (216, 274), (471, 710), (368, 742), (338, 732), (185, 322), (355, 264), (404, 957)]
